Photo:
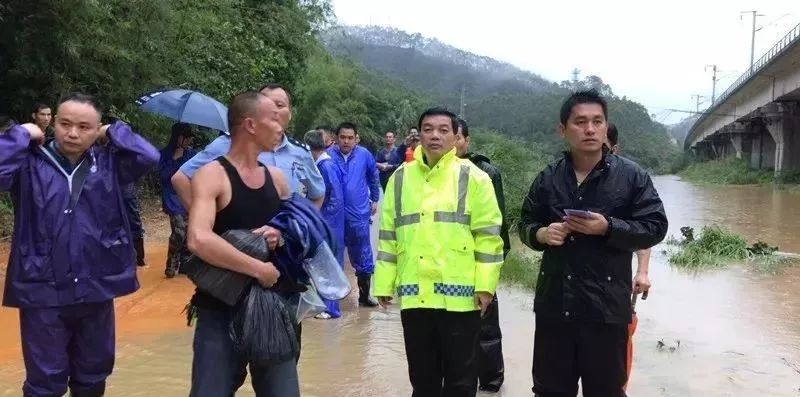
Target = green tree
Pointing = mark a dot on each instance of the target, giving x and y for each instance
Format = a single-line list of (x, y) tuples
[(119, 49)]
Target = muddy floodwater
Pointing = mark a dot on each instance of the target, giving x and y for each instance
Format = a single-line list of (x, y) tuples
[(739, 330)]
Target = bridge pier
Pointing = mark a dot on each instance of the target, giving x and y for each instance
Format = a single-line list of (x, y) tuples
[(782, 121), (763, 149), (740, 142), (703, 151), (743, 146)]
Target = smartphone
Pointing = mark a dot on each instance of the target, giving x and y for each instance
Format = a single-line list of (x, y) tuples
[(577, 213)]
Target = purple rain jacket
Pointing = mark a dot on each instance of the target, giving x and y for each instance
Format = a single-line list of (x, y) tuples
[(71, 239)]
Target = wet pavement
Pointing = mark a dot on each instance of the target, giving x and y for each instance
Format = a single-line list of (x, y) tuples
[(739, 330)]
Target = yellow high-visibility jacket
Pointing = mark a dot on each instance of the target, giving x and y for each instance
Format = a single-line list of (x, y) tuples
[(439, 239)]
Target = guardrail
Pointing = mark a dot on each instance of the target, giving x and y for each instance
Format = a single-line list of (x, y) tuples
[(788, 40), (773, 52)]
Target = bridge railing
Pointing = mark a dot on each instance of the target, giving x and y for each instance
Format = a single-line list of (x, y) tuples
[(788, 40), (773, 52)]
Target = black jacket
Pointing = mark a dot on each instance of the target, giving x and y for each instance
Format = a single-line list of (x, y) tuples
[(589, 277), (486, 166)]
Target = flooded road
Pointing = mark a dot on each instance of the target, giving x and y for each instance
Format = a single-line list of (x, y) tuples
[(739, 330)]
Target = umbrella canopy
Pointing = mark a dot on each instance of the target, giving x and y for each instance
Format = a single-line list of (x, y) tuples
[(186, 106)]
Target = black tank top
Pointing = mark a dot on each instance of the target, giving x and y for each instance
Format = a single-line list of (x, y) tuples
[(248, 209)]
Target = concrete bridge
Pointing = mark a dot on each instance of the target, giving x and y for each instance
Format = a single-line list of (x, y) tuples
[(758, 117)]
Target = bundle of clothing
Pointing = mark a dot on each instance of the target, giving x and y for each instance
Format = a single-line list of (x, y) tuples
[(264, 319), (310, 244)]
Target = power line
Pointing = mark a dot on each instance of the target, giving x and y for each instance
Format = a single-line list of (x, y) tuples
[(698, 97), (714, 80), (575, 73), (703, 113), (753, 38)]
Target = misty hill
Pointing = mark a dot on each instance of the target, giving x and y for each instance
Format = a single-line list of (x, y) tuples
[(681, 129), (497, 95), (392, 51)]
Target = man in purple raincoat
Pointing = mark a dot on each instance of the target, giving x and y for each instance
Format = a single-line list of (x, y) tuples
[(71, 253)]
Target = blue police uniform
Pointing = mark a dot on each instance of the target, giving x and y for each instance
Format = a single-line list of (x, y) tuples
[(292, 157)]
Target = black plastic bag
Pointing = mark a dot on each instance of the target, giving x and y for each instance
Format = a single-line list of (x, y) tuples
[(223, 284), (262, 329)]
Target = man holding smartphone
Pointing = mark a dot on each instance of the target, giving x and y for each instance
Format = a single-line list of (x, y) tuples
[(582, 300)]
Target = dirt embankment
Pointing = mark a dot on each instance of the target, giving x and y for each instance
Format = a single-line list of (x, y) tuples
[(155, 308)]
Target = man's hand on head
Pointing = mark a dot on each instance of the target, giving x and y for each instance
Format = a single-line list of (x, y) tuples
[(36, 133)]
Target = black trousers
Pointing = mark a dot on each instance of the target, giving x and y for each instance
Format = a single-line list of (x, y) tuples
[(442, 351), (490, 355), (563, 352)]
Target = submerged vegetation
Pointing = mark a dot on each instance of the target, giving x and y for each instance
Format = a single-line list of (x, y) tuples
[(717, 247), (713, 248)]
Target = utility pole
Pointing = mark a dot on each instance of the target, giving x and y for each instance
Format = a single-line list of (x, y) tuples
[(575, 73), (753, 36), (698, 97), (713, 82), (462, 104)]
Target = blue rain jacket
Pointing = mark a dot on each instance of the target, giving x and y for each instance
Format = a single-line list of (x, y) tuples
[(361, 185)]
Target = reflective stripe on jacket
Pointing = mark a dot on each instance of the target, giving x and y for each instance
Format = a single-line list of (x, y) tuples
[(439, 240)]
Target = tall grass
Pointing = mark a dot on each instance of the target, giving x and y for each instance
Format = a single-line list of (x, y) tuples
[(730, 171), (715, 247), (521, 269)]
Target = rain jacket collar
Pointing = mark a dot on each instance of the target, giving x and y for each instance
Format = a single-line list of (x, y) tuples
[(419, 156)]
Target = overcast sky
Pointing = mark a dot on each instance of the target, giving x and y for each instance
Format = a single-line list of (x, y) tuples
[(653, 52)]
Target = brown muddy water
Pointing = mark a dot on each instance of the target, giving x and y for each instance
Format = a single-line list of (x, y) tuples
[(739, 330)]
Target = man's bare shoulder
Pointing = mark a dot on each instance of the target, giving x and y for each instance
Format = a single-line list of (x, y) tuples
[(212, 169), (211, 177)]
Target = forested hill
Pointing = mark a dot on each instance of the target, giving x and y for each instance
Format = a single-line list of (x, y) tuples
[(497, 95), (392, 50)]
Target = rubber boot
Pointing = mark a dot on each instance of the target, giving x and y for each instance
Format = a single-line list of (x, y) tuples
[(364, 299), (138, 244)]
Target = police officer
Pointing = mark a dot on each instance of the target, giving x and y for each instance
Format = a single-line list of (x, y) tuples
[(291, 156), (440, 251)]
